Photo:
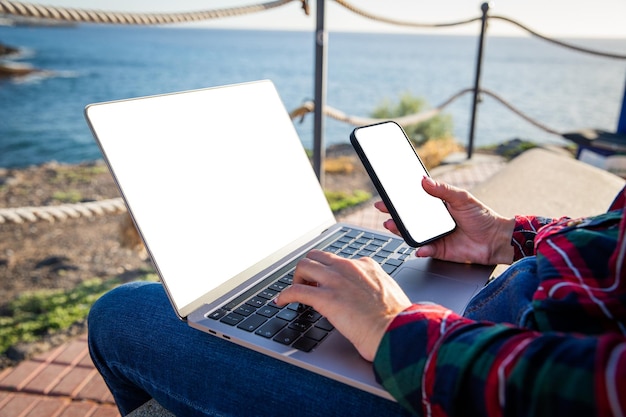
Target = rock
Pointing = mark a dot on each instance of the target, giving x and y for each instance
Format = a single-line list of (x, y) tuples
[(7, 50), (12, 69)]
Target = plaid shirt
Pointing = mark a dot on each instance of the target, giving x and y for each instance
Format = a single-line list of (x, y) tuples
[(435, 362)]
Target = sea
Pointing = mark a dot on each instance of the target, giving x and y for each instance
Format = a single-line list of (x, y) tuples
[(41, 116)]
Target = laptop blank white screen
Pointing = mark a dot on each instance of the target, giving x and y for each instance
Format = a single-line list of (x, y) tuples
[(216, 180)]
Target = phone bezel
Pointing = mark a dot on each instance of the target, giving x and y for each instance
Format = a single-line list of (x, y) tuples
[(395, 215)]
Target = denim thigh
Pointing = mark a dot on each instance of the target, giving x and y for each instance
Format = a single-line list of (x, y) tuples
[(508, 297), (144, 351)]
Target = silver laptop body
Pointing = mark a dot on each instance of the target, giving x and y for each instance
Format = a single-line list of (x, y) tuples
[(225, 199)]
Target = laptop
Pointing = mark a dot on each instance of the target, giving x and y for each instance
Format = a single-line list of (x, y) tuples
[(226, 201)]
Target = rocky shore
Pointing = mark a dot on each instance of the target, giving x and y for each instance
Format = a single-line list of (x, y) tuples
[(9, 69)]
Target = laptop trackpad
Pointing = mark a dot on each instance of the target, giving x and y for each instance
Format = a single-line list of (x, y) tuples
[(424, 286)]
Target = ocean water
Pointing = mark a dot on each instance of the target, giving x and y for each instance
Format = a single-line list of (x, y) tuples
[(41, 117)]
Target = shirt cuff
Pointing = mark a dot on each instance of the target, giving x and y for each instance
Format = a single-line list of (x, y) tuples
[(524, 233)]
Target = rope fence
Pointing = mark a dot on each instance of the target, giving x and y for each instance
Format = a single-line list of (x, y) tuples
[(35, 11), (309, 107), (532, 32), (30, 10), (116, 205), (62, 212)]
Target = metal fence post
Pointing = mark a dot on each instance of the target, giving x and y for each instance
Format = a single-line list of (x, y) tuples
[(479, 63), (319, 151)]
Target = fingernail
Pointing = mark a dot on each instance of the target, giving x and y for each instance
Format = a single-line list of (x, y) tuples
[(429, 180)]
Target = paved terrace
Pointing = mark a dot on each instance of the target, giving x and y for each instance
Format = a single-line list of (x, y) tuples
[(64, 383)]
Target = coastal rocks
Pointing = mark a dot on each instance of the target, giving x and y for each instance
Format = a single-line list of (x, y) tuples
[(7, 50), (10, 69)]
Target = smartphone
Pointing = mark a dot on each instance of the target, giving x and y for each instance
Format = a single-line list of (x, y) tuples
[(397, 171)]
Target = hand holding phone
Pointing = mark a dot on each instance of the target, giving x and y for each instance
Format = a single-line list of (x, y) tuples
[(397, 171)]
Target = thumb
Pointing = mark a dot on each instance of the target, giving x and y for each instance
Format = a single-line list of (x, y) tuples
[(426, 251), (442, 190)]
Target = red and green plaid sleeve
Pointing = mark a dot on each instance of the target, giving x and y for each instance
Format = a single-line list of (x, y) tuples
[(524, 233), (435, 362)]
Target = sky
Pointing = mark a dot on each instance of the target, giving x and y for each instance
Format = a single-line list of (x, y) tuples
[(555, 18)]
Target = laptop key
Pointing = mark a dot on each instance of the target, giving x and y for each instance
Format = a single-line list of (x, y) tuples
[(304, 344), (287, 279), (388, 268), (379, 259), (296, 307), (324, 324), (232, 319), (217, 314), (272, 327), (267, 294), (287, 314), (392, 245), (331, 249), (349, 251), (256, 302), (394, 262), (300, 325), (245, 310), (268, 311), (252, 323), (365, 253), (371, 248), (316, 334), (278, 286), (311, 316), (287, 336)]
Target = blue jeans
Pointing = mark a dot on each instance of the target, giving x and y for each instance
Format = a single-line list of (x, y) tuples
[(507, 298), (144, 351)]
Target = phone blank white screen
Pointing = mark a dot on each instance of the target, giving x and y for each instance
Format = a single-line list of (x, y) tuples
[(400, 172)]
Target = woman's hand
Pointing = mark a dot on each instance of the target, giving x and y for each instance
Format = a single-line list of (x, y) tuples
[(482, 236), (355, 295)]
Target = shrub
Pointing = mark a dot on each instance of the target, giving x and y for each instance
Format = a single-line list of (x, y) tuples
[(439, 126)]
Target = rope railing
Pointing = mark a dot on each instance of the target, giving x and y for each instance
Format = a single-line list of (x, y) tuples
[(397, 22), (29, 10), (62, 212), (532, 32), (558, 42), (309, 107), (410, 119)]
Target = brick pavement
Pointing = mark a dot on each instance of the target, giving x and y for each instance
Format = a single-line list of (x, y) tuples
[(64, 383), (60, 383)]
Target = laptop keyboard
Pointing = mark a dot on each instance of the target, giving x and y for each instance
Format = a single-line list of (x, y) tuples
[(298, 325)]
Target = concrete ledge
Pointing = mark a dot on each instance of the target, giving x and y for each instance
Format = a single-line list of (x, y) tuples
[(549, 183)]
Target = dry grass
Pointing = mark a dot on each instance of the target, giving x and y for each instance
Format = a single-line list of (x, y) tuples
[(434, 151), (339, 165)]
